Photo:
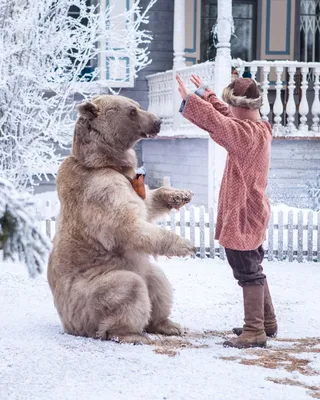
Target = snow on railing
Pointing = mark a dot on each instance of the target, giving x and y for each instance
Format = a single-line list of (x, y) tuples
[(290, 92), (164, 98), (294, 88), (291, 235)]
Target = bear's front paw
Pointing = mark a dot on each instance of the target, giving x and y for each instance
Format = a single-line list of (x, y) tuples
[(179, 198), (182, 248)]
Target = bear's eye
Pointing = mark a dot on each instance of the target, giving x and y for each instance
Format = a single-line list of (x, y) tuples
[(133, 112)]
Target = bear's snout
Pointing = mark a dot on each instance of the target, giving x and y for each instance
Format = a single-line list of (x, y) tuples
[(157, 125)]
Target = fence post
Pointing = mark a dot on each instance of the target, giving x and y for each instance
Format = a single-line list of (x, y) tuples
[(300, 236), (211, 232), (202, 233), (173, 222), (183, 222), (222, 253), (280, 235), (310, 236), (290, 236), (270, 238), (48, 228), (318, 234), (163, 223), (192, 226), (167, 181)]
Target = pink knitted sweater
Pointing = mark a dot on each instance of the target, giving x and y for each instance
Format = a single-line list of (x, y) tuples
[(243, 209)]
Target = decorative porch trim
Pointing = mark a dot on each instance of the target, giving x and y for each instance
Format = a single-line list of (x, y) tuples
[(194, 48), (288, 30)]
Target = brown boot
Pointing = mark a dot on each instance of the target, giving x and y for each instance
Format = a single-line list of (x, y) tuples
[(270, 321), (253, 334)]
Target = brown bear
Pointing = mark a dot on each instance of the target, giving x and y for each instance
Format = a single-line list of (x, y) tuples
[(103, 282)]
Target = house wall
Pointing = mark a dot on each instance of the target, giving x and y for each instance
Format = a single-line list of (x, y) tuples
[(294, 163), (184, 160), (278, 29), (192, 31)]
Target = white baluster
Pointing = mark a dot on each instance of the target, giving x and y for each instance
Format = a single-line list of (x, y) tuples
[(153, 95), (304, 107), (210, 76), (160, 105), (168, 96), (157, 93), (265, 109), (291, 105), (316, 102), (162, 95), (253, 71), (171, 79), (278, 106)]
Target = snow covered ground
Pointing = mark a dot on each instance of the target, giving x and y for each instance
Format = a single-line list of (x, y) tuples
[(39, 362)]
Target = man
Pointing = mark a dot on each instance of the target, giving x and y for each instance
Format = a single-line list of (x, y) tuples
[(244, 209)]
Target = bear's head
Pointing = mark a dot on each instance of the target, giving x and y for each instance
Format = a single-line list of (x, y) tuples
[(108, 128)]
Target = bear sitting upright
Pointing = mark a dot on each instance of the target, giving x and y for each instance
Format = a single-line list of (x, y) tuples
[(103, 283)]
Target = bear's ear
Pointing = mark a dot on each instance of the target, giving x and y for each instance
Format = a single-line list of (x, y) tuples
[(88, 110)]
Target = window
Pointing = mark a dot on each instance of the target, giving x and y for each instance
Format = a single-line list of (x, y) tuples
[(310, 30), (116, 65), (74, 12), (243, 42)]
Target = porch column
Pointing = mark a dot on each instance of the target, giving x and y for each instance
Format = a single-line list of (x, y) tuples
[(179, 60), (222, 77)]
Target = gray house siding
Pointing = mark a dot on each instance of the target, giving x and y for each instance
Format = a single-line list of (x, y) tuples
[(184, 160), (294, 163)]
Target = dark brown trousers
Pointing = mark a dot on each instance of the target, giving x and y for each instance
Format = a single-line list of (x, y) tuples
[(246, 266)]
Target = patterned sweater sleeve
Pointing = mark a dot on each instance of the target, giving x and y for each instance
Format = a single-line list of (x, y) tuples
[(235, 135), (208, 95)]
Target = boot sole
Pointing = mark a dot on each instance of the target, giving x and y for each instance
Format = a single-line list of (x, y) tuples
[(231, 345)]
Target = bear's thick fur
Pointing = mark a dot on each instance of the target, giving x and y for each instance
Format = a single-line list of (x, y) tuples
[(103, 283)]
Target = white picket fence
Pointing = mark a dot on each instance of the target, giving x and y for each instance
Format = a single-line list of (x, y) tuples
[(291, 235)]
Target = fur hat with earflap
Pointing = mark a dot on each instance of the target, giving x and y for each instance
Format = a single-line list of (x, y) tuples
[(244, 93)]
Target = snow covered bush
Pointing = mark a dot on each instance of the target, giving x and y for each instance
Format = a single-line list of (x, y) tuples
[(314, 192), (51, 51), (19, 234)]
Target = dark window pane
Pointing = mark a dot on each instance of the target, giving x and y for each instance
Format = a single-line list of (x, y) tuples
[(242, 11), (243, 42), (310, 30)]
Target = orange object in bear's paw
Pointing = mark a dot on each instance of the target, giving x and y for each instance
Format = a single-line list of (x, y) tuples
[(138, 186)]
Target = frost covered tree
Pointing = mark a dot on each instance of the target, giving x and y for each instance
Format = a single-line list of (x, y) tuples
[(314, 192), (51, 50), (20, 237)]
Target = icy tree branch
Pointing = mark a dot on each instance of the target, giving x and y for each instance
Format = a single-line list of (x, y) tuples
[(19, 234), (44, 51)]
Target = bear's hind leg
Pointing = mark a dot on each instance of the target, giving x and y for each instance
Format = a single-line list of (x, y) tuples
[(125, 299), (160, 294)]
